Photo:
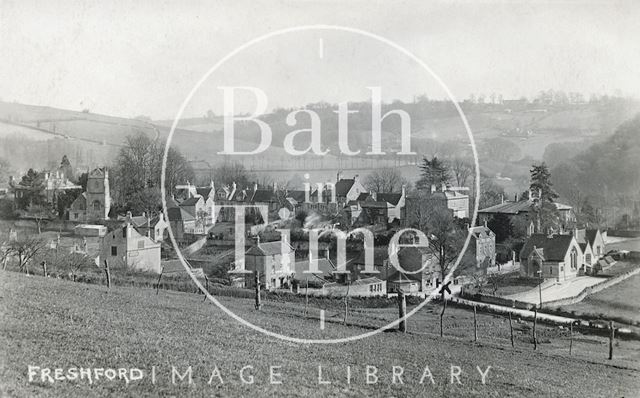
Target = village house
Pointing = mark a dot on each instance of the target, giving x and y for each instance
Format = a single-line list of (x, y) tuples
[(553, 256), (53, 184), (592, 244), (524, 212), (95, 203), (275, 263), (126, 247), (419, 271), (481, 252), (153, 227)]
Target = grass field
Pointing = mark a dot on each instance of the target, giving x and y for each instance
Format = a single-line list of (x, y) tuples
[(622, 299), (60, 324)]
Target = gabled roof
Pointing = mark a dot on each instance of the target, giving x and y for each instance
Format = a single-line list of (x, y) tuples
[(268, 249), (481, 231), (344, 186), (392, 198), (363, 196), (374, 205), (179, 214), (517, 207), (203, 191), (296, 195), (264, 195), (590, 235), (171, 203), (554, 247), (325, 266), (190, 201)]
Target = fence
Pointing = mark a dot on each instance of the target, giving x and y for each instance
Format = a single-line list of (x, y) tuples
[(593, 289)]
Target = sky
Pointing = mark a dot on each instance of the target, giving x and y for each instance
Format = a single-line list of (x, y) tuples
[(125, 59)]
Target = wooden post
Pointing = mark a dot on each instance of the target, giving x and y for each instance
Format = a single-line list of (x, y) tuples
[(158, 282), (402, 311), (346, 304), (475, 325), (206, 280), (570, 337), (257, 283), (611, 337), (107, 273), (444, 307), (535, 321), (306, 296), (511, 330), (44, 269)]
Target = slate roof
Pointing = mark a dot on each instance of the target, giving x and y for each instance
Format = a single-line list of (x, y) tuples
[(325, 266), (363, 196), (190, 201), (296, 195), (203, 191), (171, 203), (268, 249), (179, 214), (517, 207), (392, 198), (590, 235), (264, 195), (374, 205), (554, 248), (481, 231), (344, 186)]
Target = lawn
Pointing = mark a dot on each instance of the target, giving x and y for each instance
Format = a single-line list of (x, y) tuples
[(621, 300), (60, 324)]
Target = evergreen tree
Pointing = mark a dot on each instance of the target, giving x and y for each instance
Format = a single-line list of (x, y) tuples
[(434, 172), (546, 213)]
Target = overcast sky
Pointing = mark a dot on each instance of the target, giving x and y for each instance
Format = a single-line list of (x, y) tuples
[(126, 60)]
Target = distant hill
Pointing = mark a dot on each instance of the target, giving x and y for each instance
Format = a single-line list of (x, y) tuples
[(508, 138)]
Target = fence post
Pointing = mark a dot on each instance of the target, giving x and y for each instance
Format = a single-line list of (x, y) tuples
[(611, 337), (257, 283), (475, 324), (306, 296), (535, 321), (511, 330), (206, 280), (44, 268), (107, 273), (444, 307), (158, 282), (402, 310), (570, 337)]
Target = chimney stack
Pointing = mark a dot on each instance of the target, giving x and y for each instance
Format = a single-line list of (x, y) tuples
[(339, 176)]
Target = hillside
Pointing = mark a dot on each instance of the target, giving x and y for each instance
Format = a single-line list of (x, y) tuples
[(88, 326), (508, 140)]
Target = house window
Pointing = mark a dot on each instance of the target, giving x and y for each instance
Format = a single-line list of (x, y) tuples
[(114, 250), (550, 270), (75, 216), (587, 258), (561, 269), (140, 244)]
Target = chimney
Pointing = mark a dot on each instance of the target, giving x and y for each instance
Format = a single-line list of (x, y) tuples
[(144, 214), (374, 195), (403, 190), (444, 186), (515, 198), (258, 240), (339, 176), (188, 189), (433, 188), (275, 187), (129, 216), (356, 177)]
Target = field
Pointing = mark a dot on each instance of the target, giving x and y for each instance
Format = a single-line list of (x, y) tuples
[(622, 299), (60, 324)]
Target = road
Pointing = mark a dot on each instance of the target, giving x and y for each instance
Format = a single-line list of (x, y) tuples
[(558, 291)]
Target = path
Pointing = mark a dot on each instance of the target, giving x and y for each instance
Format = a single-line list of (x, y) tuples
[(560, 290)]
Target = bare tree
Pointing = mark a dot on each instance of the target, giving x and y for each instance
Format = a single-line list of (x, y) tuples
[(27, 248), (461, 170), (385, 180)]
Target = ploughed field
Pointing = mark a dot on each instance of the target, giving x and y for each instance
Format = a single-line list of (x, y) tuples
[(51, 323)]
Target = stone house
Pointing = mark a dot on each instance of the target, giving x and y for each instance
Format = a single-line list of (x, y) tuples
[(275, 261), (555, 256), (126, 247), (95, 203)]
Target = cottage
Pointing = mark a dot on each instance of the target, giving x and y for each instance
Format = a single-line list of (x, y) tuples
[(95, 203), (126, 247), (275, 263), (481, 252)]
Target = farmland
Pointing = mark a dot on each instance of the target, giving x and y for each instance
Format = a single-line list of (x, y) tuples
[(622, 300), (60, 324)]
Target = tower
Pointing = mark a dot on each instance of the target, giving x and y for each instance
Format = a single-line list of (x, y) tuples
[(98, 198)]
